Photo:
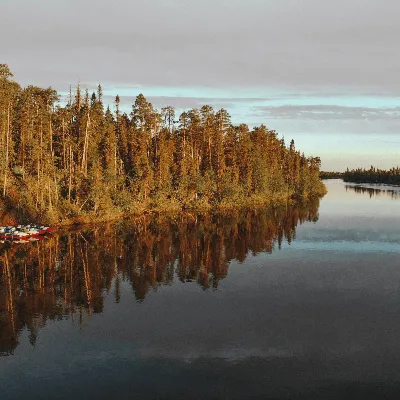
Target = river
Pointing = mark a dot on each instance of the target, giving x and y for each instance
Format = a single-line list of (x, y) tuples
[(292, 303)]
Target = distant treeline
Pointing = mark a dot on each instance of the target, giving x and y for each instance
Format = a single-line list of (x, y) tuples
[(330, 175), (373, 175), (84, 159)]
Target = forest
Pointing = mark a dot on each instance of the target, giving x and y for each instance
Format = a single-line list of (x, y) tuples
[(331, 175), (81, 160), (373, 175)]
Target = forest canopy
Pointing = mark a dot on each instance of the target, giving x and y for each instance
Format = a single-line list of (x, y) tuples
[(373, 175), (83, 159)]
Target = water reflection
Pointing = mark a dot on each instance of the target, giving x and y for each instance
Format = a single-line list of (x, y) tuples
[(375, 191), (69, 274)]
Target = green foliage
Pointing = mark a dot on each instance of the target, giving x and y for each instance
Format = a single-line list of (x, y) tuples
[(373, 175), (331, 175), (82, 160)]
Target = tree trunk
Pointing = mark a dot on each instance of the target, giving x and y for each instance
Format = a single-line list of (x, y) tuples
[(71, 160), (85, 146), (7, 151)]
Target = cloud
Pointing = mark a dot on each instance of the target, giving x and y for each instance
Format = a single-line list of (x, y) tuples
[(295, 65), (328, 113), (302, 44)]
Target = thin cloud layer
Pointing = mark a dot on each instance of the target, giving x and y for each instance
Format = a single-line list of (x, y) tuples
[(328, 113), (306, 43)]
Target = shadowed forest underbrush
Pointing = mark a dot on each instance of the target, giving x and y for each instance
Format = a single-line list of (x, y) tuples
[(19, 207)]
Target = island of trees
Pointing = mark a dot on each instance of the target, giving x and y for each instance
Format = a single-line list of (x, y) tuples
[(82, 160)]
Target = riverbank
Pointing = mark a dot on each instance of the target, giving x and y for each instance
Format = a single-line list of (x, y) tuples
[(14, 211)]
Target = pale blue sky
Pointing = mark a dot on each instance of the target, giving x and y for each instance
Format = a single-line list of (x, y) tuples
[(322, 72)]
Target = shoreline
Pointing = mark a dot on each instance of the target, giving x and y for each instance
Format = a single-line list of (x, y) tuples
[(175, 211), (14, 216)]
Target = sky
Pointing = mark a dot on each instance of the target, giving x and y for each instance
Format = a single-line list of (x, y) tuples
[(322, 72)]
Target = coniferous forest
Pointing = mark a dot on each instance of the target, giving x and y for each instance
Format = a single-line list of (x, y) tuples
[(373, 175), (82, 160), (331, 175)]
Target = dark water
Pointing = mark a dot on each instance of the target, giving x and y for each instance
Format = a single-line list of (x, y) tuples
[(300, 303)]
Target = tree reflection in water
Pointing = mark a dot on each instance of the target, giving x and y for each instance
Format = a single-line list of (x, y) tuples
[(375, 192), (69, 274)]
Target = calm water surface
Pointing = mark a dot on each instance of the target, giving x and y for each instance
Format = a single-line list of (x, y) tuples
[(300, 303)]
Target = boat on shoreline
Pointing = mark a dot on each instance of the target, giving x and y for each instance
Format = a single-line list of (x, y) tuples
[(23, 233)]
